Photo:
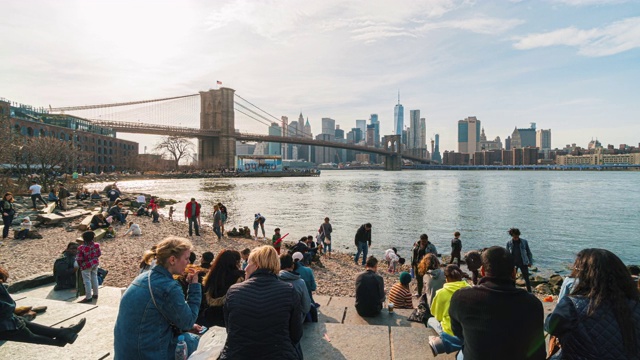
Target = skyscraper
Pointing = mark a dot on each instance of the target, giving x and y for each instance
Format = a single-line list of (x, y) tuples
[(423, 133), (543, 139), (373, 120), (468, 135), (436, 152), (522, 138), (414, 135), (274, 148), (328, 126), (398, 118), (362, 125)]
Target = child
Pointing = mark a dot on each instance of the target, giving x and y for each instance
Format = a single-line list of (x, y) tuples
[(245, 257), (111, 233), (171, 210), (207, 259), (134, 229), (275, 238), (391, 255), (25, 226)]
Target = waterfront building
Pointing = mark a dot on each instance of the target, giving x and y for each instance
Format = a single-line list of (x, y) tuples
[(371, 132), (339, 133), (104, 152), (599, 158), (469, 135), (274, 148), (416, 135), (398, 117), (543, 139), (593, 144), (455, 158), (522, 138), (423, 134), (373, 120), (507, 143), (507, 157)]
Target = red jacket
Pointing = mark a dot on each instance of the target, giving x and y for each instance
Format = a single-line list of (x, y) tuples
[(187, 210)]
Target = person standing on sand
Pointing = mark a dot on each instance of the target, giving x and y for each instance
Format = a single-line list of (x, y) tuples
[(274, 240), (420, 249), (223, 216), (8, 212), (456, 248), (35, 191), (259, 221), (519, 249), (88, 259), (217, 221), (192, 214), (363, 242), (325, 236)]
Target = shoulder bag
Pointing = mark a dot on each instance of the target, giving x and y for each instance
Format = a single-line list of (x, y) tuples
[(174, 328)]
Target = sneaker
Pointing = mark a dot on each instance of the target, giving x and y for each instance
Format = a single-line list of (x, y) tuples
[(85, 301), (436, 345)]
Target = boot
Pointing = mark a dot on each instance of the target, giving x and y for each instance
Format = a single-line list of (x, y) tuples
[(21, 310), (39, 309), (77, 327), (67, 336)]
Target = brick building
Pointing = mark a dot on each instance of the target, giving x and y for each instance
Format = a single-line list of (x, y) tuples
[(104, 151)]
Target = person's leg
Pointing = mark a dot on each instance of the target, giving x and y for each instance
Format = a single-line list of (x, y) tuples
[(22, 234), (419, 280), (435, 325), (63, 202), (33, 200), (25, 335), (524, 269), (196, 227), (365, 251), (191, 226), (43, 200), (86, 280), (216, 230), (358, 251), (262, 228), (451, 343), (6, 220), (94, 281)]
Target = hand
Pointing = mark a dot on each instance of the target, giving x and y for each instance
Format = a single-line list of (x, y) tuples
[(529, 265), (192, 277), (5, 214), (196, 328)]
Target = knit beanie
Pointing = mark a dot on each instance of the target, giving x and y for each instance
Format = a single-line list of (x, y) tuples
[(405, 278)]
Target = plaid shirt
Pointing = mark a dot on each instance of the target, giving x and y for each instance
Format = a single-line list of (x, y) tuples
[(88, 256)]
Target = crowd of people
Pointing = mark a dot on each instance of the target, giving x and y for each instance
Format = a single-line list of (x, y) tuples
[(262, 296)]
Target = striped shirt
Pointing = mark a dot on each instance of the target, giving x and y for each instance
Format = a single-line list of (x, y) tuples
[(400, 296)]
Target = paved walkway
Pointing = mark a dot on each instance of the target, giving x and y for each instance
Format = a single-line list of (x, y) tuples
[(339, 334)]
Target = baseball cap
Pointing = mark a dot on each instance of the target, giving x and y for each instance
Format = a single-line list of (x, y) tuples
[(297, 256)]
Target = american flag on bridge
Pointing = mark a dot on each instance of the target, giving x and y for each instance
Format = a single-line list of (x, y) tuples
[(218, 82)]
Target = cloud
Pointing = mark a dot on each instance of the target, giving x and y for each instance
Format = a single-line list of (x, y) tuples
[(589, 2), (480, 25), (612, 39)]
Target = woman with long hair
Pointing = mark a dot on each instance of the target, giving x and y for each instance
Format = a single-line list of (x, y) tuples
[(153, 310), (432, 276), (224, 272), (600, 317), (263, 314)]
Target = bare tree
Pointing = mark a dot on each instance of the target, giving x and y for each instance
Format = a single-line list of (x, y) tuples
[(50, 153), (176, 147)]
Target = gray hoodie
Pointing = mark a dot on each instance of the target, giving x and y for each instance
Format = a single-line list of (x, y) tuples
[(433, 281), (301, 288)]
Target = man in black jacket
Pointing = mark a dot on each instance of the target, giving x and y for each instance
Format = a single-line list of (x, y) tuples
[(369, 290), (495, 320), (363, 242)]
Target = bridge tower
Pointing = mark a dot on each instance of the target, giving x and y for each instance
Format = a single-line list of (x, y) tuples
[(216, 113), (392, 143)]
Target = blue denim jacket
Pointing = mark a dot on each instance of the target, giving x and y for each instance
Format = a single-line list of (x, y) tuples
[(141, 331), (527, 258)]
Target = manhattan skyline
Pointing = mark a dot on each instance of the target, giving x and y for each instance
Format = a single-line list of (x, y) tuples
[(568, 65)]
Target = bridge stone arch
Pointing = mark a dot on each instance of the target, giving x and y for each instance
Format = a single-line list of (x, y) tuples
[(217, 113), (392, 143)]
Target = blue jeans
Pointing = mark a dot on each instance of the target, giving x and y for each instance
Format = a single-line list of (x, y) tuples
[(363, 248), (22, 234), (451, 343), (216, 230), (7, 220)]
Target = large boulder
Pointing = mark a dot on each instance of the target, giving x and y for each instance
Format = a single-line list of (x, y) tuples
[(555, 280), (543, 289)]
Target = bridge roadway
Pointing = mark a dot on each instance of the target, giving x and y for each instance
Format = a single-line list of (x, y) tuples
[(164, 130)]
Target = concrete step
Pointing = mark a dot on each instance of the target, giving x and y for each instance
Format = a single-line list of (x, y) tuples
[(340, 342)]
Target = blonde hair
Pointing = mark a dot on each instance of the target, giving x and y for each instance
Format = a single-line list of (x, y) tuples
[(265, 257), (171, 246)]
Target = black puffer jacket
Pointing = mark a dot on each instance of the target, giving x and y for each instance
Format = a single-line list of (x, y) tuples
[(264, 319), (590, 337)]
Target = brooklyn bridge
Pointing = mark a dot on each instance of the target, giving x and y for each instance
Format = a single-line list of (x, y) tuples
[(216, 134)]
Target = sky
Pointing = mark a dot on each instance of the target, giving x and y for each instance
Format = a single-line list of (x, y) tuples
[(571, 66)]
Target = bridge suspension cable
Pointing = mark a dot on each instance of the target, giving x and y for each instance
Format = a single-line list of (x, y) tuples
[(100, 106), (298, 131)]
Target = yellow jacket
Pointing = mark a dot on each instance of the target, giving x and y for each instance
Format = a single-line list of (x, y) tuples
[(440, 304)]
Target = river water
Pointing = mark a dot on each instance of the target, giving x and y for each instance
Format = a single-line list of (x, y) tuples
[(559, 213)]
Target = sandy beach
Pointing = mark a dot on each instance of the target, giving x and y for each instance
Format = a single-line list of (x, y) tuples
[(121, 255)]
